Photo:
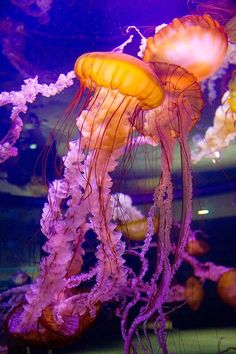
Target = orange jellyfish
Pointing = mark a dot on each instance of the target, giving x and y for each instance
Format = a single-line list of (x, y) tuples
[(226, 287), (184, 52), (197, 43), (121, 84), (194, 293), (124, 87), (136, 230), (117, 87), (169, 123)]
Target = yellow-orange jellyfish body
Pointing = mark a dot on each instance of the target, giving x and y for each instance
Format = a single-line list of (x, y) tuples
[(50, 335), (121, 85), (182, 106), (136, 230), (197, 248), (194, 293), (226, 287), (232, 93), (197, 43)]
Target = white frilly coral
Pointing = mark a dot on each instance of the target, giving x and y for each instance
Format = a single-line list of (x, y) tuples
[(218, 136), (210, 83)]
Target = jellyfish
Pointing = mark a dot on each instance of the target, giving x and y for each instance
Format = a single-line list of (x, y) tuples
[(202, 36), (197, 247), (226, 287), (175, 54), (168, 123), (197, 43), (162, 101), (194, 293), (64, 299)]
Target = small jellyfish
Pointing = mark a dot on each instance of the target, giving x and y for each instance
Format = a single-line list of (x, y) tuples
[(136, 230), (194, 293), (226, 287), (197, 247)]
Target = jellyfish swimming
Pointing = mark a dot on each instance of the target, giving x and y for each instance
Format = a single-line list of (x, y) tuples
[(170, 123), (176, 44), (197, 43), (117, 87), (158, 98), (226, 287)]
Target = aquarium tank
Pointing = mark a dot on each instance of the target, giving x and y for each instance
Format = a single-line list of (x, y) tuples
[(117, 176)]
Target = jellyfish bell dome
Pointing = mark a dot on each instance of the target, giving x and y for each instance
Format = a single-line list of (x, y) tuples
[(194, 293), (122, 72), (122, 85), (197, 43), (183, 98), (226, 287)]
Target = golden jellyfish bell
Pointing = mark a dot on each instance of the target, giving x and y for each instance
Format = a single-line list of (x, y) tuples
[(35, 338), (183, 98), (122, 72), (136, 230), (226, 287), (197, 43), (194, 293), (48, 333), (197, 248), (122, 86)]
